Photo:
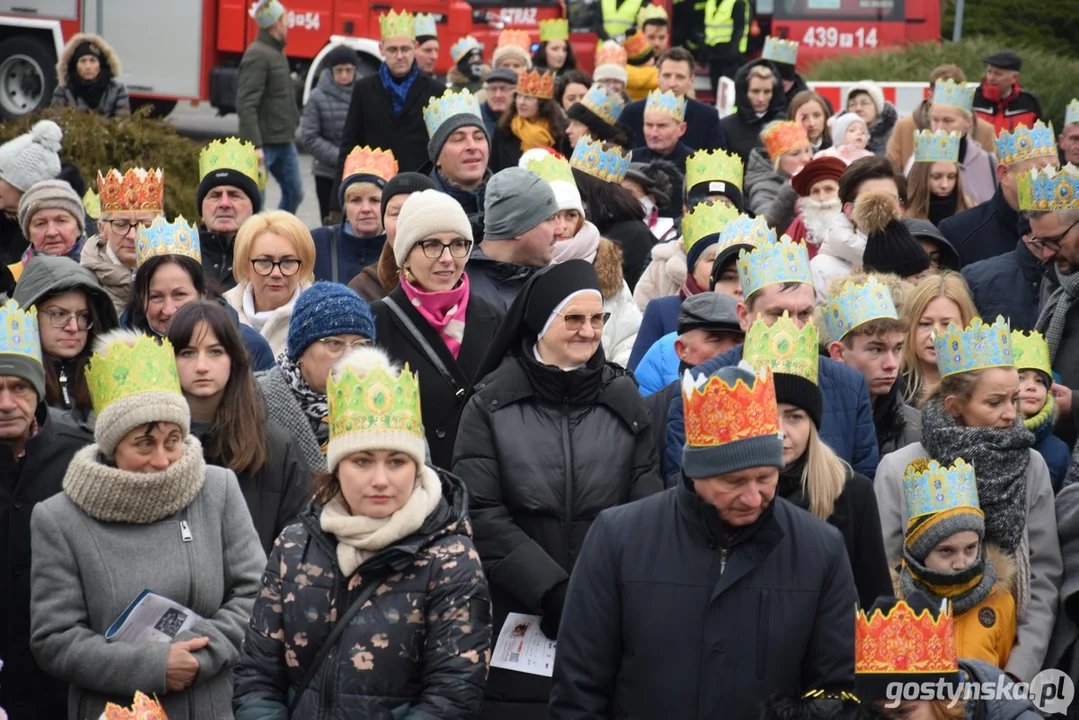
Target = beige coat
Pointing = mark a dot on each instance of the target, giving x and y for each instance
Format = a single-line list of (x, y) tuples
[(275, 331), (664, 276), (901, 143), (117, 280)]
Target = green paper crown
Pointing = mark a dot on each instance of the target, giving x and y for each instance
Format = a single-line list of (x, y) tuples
[(230, 154), (131, 367), (932, 488), (377, 402), (706, 219), (552, 169), (713, 166), (783, 347), (1031, 352)]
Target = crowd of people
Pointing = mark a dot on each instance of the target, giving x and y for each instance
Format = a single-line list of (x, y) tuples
[(682, 391)]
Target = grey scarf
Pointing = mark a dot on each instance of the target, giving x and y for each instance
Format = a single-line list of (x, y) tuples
[(915, 576), (1054, 314), (315, 405)]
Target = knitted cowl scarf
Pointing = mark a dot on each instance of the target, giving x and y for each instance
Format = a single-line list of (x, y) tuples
[(315, 406), (109, 494)]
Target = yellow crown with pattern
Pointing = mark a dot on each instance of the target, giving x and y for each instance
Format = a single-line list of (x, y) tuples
[(441, 109), (536, 84), (857, 304), (552, 168), (554, 29), (952, 94), (975, 347), (717, 413), (652, 13), (707, 218), (515, 38), (667, 103), (370, 161), (1071, 115), (165, 238), (1025, 143), (609, 165), (936, 146), (131, 366), (1031, 352), (230, 154), (397, 25), (1049, 189), (19, 333), (783, 347), (780, 50), (426, 25), (718, 166), (375, 402), (611, 53), (137, 190), (773, 263), (932, 488)]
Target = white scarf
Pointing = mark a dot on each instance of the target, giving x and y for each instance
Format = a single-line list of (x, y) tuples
[(258, 320)]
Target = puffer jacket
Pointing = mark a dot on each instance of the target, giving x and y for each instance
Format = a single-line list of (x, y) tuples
[(881, 129), (660, 318), (659, 366), (620, 330), (1008, 285), (114, 101), (323, 123), (664, 276), (768, 191), (1016, 708), (840, 252), (743, 127), (418, 648), (265, 95)]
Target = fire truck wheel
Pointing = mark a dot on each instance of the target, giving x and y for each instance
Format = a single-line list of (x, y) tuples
[(27, 76)]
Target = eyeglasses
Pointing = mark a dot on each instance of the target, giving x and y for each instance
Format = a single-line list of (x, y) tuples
[(576, 321), (433, 249), (862, 102), (123, 227), (1052, 243), (336, 347), (59, 319), (287, 266)]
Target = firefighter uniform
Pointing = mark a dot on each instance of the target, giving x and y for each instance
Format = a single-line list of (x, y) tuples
[(726, 34)]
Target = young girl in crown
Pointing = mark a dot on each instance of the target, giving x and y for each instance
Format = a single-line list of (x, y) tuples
[(934, 182)]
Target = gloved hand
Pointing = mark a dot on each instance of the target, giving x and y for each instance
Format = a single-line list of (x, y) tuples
[(552, 603)]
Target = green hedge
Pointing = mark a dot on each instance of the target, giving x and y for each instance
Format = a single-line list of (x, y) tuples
[(1047, 24), (1051, 76), (93, 143)]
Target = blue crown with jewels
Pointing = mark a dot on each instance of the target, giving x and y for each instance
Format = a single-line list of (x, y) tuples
[(463, 47), (1071, 115), (932, 488), (953, 94), (856, 304), (746, 230), (610, 165), (667, 103), (165, 238), (1025, 143), (19, 331), (773, 263), (605, 105), (780, 51), (1049, 189), (441, 109), (975, 347), (936, 146)]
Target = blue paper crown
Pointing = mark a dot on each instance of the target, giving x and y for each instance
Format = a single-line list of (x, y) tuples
[(746, 230), (976, 347), (856, 304), (1025, 143), (934, 488), (607, 165), (165, 238), (773, 263), (667, 103), (426, 25), (1072, 113), (606, 106), (441, 109), (266, 12), (953, 94), (780, 51), (463, 47), (936, 146), (19, 331), (1049, 189)]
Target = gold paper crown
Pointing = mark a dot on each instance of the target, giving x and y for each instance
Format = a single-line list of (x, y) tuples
[(165, 238), (19, 331), (441, 109), (902, 641), (131, 366), (370, 161), (397, 25), (554, 29), (932, 488), (603, 104), (515, 38), (376, 402), (667, 103), (1031, 352), (773, 263), (975, 347), (857, 304), (611, 53), (609, 165), (552, 169), (782, 137), (783, 347), (707, 218), (714, 166), (137, 190), (1025, 143), (536, 84), (144, 708), (230, 154), (717, 413), (1049, 189), (652, 13)]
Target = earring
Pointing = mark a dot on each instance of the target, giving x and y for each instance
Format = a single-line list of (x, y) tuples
[(407, 272)]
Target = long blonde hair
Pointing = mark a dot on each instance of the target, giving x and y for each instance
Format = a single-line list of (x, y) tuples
[(947, 284), (823, 477)]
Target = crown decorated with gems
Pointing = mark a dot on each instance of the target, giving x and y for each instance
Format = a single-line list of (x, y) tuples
[(370, 161), (375, 402), (975, 347), (709, 218), (441, 109), (397, 25), (266, 12), (131, 367), (610, 165), (936, 146), (931, 487), (463, 47), (780, 50), (554, 29), (229, 154), (782, 137), (515, 38), (953, 94), (773, 263), (426, 25), (856, 304), (1026, 143), (717, 413), (667, 103), (1071, 115), (144, 708), (536, 84), (652, 12), (746, 230), (19, 331), (605, 105), (137, 189), (1031, 352), (1049, 189), (611, 53), (903, 641), (784, 347), (165, 238), (714, 166), (552, 169)]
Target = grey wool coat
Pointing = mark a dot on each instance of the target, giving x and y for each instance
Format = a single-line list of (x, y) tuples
[(323, 123), (86, 572)]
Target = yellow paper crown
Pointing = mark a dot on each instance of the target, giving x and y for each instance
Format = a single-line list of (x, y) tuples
[(1031, 352), (536, 84), (717, 413), (554, 29), (552, 169), (652, 13), (707, 218), (137, 190), (773, 263), (1048, 189), (131, 365), (19, 331), (717, 166), (783, 347), (975, 347), (230, 154), (165, 238), (667, 103), (932, 488), (515, 38), (370, 161), (1025, 143), (376, 402), (397, 25)]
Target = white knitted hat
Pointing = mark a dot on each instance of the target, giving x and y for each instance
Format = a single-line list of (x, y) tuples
[(33, 157), (610, 71), (507, 50), (870, 88), (424, 214)]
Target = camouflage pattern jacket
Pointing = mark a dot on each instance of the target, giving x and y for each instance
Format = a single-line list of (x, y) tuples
[(418, 649)]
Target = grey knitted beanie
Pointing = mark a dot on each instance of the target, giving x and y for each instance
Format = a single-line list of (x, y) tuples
[(33, 157)]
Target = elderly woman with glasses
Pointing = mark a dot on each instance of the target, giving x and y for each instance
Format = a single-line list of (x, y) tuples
[(274, 261), (431, 320)]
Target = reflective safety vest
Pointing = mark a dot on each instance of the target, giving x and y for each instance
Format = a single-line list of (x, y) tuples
[(719, 24), (619, 20)]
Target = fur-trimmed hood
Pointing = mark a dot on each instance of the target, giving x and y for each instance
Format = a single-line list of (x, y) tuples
[(608, 265), (69, 52), (1003, 563)]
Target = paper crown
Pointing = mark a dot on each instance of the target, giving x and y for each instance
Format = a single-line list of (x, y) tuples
[(783, 347), (636, 45), (936, 146), (91, 203), (782, 137), (779, 50), (1031, 352), (609, 165), (441, 109), (144, 708), (855, 305), (746, 230), (552, 169), (554, 29), (1071, 115), (229, 154), (932, 488), (953, 94), (19, 333), (136, 190), (370, 161), (266, 12), (904, 642), (714, 166), (536, 84), (515, 38), (426, 25), (708, 218), (463, 47), (397, 25), (717, 413), (667, 103), (1049, 189), (165, 238), (653, 13), (773, 263), (606, 106), (611, 53), (976, 347), (122, 370), (377, 402), (1025, 143)]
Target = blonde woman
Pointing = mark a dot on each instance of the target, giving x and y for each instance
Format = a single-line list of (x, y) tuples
[(274, 261)]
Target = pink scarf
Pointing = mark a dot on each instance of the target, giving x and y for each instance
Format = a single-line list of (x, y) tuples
[(443, 310), (582, 246)]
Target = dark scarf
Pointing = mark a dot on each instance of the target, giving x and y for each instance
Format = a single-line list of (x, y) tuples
[(315, 406), (91, 91), (942, 208), (1000, 460), (790, 486), (552, 384), (398, 89), (726, 537), (939, 585), (888, 416)]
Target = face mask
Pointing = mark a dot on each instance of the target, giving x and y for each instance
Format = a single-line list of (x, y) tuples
[(648, 205)]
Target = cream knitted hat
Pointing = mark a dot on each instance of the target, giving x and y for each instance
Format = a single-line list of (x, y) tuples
[(424, 214)]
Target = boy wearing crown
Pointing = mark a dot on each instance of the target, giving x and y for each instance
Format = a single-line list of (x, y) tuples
[(672, 622), (1037, 404)]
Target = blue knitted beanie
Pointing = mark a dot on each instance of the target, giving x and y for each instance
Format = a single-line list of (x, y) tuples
[(326, 309)]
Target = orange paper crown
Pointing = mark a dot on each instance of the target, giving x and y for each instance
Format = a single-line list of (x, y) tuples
[(136, 190), (144, 708), (611, 53), (370, 161), (515, 38), (782, 137), (637, 45), (717, 413), (536, 84), (903, 642)]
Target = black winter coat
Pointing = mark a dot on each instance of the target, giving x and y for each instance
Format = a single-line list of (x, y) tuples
[(441, 404), (1008, 285), (984, 231), (677, 157), (636, 241), (703, 129), (505, 150), (216, 251), (667, 619), (542, 452), (743, 127), (495, 281), (26, 691), (659, 410), (417, 649)]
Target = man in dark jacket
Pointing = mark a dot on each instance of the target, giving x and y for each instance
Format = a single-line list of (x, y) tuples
[(266, 102), (999, 100), (226, 197), (664, 128), (759, 99), (36, 445), (1009, 284), (731, 595), (499, 87)]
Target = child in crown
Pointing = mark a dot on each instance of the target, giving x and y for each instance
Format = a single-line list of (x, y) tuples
[(1037, 405)]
